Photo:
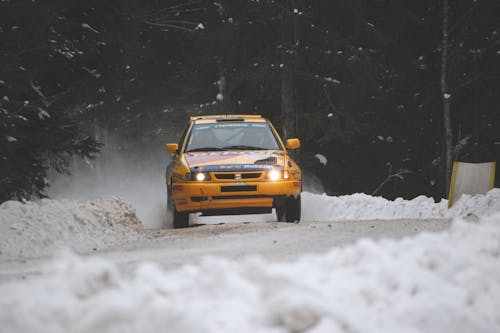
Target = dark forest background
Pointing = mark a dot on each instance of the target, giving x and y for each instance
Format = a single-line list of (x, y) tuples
[(359, 81)]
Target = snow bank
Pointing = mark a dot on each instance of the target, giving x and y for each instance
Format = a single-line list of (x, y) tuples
[(478, 205), (35, 229), (359, 206), (320, 207), (444, 282)]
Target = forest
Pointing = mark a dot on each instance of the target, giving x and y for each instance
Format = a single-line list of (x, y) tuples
[(384, 94)]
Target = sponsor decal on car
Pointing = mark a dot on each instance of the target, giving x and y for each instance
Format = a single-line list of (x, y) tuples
[(245, 160), (233, 167)]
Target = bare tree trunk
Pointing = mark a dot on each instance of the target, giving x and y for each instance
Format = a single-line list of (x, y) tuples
[(287, 105), (288, 67), (224, 95), (448, 133)]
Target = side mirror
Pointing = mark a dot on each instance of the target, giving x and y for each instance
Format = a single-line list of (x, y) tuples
[(172, 147), (292, 143)]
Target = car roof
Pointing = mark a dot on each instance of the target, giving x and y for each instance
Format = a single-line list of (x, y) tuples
[(226, 117)]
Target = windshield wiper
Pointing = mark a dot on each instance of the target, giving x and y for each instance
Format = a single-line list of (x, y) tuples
[(205, 149), (243, 147)]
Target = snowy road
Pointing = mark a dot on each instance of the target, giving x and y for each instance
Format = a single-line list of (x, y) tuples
[(271, 240)]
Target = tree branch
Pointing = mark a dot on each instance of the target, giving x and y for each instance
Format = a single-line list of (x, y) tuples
[(398, 174), (167, 25)]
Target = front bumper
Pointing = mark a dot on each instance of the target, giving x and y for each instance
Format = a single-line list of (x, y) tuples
[(203, 196)]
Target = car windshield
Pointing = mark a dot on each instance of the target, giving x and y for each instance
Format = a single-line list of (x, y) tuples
[(232, 135)]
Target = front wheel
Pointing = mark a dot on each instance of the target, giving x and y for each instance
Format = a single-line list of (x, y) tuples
[(179, 219), (290, 210)]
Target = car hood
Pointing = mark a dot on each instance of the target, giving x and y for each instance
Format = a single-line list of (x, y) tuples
[(234, 160)]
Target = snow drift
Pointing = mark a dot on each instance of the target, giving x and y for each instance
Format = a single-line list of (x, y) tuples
[(359, 206), (443, 282), (35, 229)]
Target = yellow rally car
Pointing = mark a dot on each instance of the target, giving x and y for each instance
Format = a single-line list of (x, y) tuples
[(232, 164)]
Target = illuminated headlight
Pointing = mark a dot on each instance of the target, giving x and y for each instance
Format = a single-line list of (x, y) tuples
[(274, 175), (198, 176), (286, 174)]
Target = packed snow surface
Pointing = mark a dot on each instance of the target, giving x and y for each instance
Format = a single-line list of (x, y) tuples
[(35, 229), (441, 282)]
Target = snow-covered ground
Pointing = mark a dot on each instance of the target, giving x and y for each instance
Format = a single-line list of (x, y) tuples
[(36, 229), (447, 281), (433, 282)]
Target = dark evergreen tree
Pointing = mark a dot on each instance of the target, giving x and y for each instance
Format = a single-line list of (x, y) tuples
[(44, 96)]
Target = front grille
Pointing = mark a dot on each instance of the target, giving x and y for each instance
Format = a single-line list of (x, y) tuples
[(224, 175), (252, 175), (225, 197), (241, 188)]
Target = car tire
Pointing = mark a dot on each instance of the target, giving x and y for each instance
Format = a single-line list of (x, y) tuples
[(290, 211), (281, 213), (179, 219)]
